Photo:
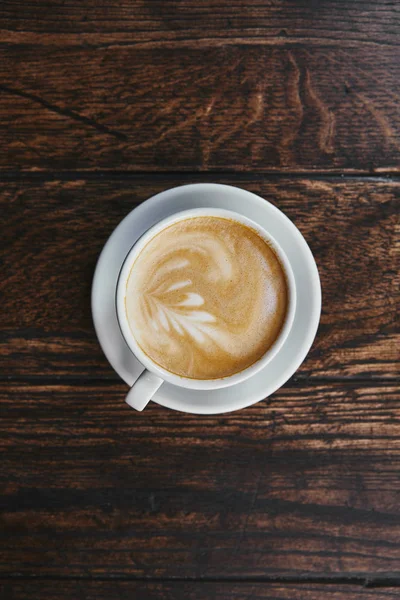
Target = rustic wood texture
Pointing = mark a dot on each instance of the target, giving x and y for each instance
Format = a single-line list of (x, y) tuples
[(305, 483), (56, 229), (102, 104), (118, 590), (355, 23), (162, 86)]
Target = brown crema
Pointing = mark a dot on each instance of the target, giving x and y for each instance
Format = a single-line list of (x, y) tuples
[(206, 298)]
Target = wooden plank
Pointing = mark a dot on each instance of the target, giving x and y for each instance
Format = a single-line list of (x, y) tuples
[(56, 229), (200, 104), (139, 21), (303, 484), (105, 590)]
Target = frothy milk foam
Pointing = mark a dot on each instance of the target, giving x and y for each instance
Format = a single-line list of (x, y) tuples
[(206, 297)]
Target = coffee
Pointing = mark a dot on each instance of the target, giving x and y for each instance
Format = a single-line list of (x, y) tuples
[(206, 297)]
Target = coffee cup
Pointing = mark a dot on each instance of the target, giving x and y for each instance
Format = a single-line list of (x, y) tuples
[(206, 345)]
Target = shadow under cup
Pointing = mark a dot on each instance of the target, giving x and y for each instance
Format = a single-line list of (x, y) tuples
[(185, 381)]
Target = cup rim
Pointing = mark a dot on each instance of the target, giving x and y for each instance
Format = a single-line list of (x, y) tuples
[(146, 361)]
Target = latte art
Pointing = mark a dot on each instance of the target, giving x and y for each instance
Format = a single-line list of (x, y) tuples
[(206, 298)]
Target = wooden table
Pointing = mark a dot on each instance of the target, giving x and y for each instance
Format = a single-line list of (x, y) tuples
[(104, 103)]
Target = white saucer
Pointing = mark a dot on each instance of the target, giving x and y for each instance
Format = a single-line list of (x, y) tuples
[(308, 308)]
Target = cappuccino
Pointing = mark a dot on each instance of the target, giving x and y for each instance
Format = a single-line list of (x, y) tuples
[(206, 297)]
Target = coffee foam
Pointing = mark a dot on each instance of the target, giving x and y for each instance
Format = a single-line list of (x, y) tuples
[(206, 298)]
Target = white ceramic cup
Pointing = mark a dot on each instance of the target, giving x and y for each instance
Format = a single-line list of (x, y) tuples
[(153, 375)]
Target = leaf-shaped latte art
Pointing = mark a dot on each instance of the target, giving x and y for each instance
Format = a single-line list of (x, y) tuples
[(183, 315)]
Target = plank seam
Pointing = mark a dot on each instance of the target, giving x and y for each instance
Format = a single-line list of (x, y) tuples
[(76, 175), (366, 580)]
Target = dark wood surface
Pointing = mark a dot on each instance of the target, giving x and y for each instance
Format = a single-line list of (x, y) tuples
[(306, 481), (102, 105), (161, 86), (103, 590)]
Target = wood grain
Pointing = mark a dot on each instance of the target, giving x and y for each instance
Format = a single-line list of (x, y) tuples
[(67, 102), (356, 22), (305, 483), (56, 229), (102, 105), (116, 590)]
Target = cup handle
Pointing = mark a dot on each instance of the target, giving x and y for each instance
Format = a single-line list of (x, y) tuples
[(143, 390)]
